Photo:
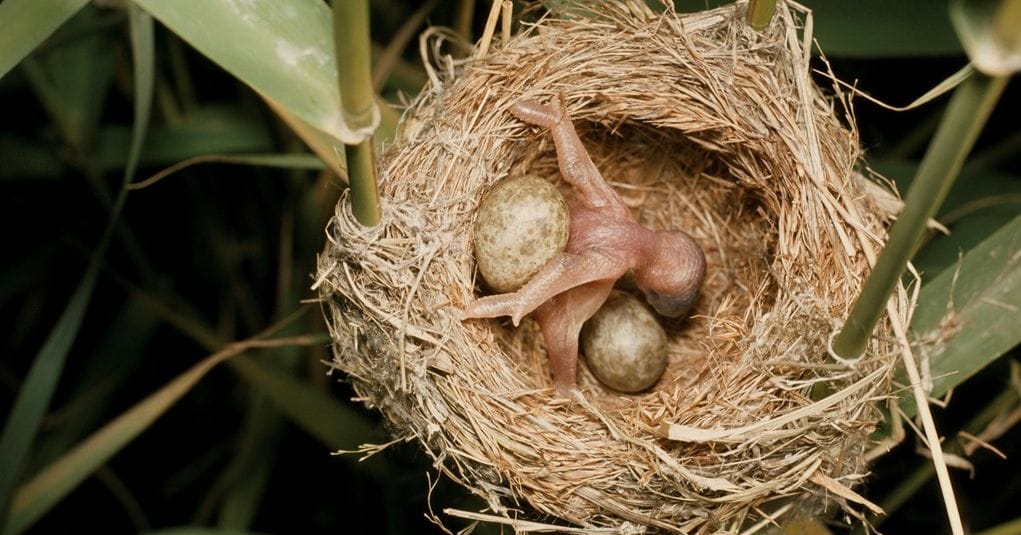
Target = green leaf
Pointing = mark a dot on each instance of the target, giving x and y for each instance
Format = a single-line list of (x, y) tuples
[(330, 150), (336, 425), (115, 359), (37, 390), (211, 129), (26, 23), (72, 75), (962, 122), (48, 487), (253, 465), (38, 387), (980, 201), (249, 471), (144, 69), (968, 317), (984, 216), (283, 50)]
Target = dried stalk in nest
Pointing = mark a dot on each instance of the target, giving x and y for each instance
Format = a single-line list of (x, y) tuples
[(700, 124)]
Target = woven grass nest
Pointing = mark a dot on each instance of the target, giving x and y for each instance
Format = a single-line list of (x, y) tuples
[(701, 124)]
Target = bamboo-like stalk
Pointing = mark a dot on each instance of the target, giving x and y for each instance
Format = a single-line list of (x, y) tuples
[(961, 124), (760, 12), (361, 162), (465, 16), (354, 69)]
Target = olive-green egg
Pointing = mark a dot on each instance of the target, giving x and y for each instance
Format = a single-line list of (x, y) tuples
[(522, 224), (624, 345)]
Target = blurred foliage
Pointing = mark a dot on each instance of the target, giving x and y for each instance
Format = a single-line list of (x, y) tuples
[(213, 262)]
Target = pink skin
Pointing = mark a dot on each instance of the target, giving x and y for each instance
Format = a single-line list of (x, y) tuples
[(605, 243)]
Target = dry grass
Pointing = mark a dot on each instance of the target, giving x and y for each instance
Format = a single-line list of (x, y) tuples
[(701, 124)]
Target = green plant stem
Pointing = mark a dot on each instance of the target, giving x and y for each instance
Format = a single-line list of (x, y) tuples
[(970, 107), (760, 12), (351, 39), (361, 163), (465, 14)]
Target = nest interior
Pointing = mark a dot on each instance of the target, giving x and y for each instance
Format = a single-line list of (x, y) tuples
[(700, 124)]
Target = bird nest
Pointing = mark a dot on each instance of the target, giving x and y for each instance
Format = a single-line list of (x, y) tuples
[(700, 124)]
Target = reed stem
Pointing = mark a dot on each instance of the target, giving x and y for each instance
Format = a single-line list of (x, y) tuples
[(361, 162), (760, 12), (357, 99), (969, 108), (465, 17)]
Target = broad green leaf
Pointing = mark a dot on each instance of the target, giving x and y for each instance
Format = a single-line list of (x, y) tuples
[(47, 488), (990, 31), (24, 24), (329, 150), (980, 201), (969, 316), (283, 50), (984, 216)]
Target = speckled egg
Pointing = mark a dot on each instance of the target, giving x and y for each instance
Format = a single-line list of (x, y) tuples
[(521, 225), (624, 345)]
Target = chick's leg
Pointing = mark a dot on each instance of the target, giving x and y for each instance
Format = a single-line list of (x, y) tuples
[(575, 164), (560, 320), (565, 271)]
